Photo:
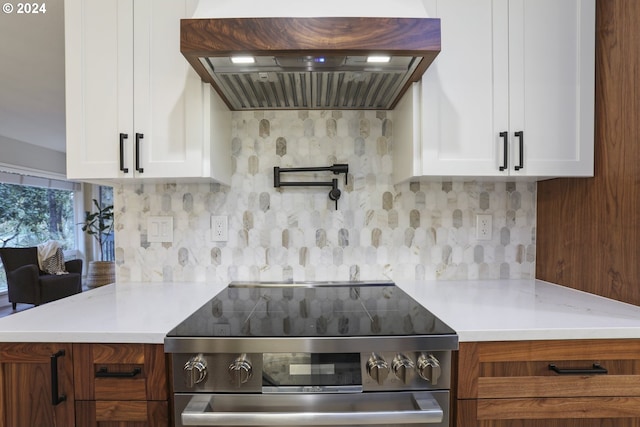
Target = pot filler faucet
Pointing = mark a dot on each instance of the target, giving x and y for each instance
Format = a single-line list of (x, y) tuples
[(334, 193)]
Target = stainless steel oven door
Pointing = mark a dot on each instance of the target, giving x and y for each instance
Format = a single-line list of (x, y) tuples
[(427, 408)]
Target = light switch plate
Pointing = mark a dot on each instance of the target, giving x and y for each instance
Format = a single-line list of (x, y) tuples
[(160, 229)]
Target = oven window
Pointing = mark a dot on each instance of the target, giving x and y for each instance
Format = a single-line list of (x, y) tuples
[(311, 369)]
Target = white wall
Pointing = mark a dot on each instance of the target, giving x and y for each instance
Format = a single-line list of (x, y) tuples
[(18, 156)]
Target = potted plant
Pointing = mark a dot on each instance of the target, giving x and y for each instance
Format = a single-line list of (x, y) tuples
[(99, 225)]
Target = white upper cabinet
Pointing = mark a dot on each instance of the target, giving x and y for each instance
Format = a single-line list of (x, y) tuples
[(510, 94), (135, 108)]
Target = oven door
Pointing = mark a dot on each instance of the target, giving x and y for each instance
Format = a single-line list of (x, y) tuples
[(319, 409)]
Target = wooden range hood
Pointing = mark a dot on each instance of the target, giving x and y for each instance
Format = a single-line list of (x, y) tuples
[(310, 63)]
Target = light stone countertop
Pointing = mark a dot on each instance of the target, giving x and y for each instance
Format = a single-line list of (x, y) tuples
[(116, 313), (501, 310), (496, 310)]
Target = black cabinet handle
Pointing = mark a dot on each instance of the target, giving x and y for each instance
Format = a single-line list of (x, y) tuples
[(139, 136), (597, 369), (520, 136), (123, 136), (505, 138), (104, 373), (55, 397)]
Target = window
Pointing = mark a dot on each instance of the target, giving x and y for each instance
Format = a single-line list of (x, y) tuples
[(105, 197), (35, 210)]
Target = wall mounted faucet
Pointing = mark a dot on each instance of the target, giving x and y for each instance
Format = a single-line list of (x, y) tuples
[(334, 193)]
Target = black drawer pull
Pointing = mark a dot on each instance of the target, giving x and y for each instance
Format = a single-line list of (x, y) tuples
[(55, 397), (520, 136), (104, 373), (139, 136), (505, 141), (597, 369), (123, 136)]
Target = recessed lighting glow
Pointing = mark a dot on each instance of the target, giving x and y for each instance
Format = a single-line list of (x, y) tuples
[(378, 58), (243, 59)]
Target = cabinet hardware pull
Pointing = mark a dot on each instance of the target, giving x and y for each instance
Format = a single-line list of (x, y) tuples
[(520, 136), (104, 373), (55, 397), (597, 369), (505, 161), (123, 136), (139, 136)]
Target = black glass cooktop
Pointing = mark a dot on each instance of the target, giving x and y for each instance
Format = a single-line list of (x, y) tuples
[(331, 309)]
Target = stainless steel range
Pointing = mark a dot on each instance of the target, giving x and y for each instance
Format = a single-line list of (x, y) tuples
[(328, 353)]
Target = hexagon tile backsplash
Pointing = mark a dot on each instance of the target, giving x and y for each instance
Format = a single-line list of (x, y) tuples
[(416, 230)]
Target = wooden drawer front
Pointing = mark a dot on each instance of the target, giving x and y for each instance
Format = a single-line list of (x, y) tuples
[(120, 389), (559, 408), (522, 379), (118, 353), (150, 383), (122, 413), (538, 412), (521, 369)]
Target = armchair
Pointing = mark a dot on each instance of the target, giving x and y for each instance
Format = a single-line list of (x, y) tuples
[(29, 285)]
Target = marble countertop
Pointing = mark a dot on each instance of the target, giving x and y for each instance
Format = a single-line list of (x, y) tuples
[(499, 310), (478, 310), (116, 313)]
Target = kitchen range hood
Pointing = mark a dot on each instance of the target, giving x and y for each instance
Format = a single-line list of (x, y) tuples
[(298, 63)]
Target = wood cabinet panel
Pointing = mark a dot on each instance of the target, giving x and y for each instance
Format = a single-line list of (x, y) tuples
[(467, 410), (518, 386), (139, 400), (26, 385), (587, 233), (149, 384), (109, 410), (513, 381), (155, 361), (558, 408), (118, 388), (121, 414), (118, 353)]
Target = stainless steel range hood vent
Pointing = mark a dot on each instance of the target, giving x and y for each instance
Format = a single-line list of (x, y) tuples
[(310, 63), (298, 83)]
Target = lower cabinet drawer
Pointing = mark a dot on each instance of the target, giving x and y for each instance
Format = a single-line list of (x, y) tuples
[(121, 385), (559, 408), (561, 382), (120, 389), (122, 413), (120, 372), (545, 412)]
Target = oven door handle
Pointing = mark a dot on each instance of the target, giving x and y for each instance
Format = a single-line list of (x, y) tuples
[(202, 412)]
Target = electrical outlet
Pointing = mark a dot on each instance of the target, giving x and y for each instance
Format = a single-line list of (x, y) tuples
[(219, 228), (483, 226)]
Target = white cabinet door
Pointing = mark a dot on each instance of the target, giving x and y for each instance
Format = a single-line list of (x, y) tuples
[(552, 75), (509, 71), (135, 107), (465, 90), (167, 94), (99, 87)]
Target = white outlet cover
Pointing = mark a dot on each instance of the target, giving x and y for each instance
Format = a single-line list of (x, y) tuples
[(219, 228), (484, 226), (160, 229)]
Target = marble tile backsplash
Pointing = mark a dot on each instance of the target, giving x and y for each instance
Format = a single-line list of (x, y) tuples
[(416, 230)]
